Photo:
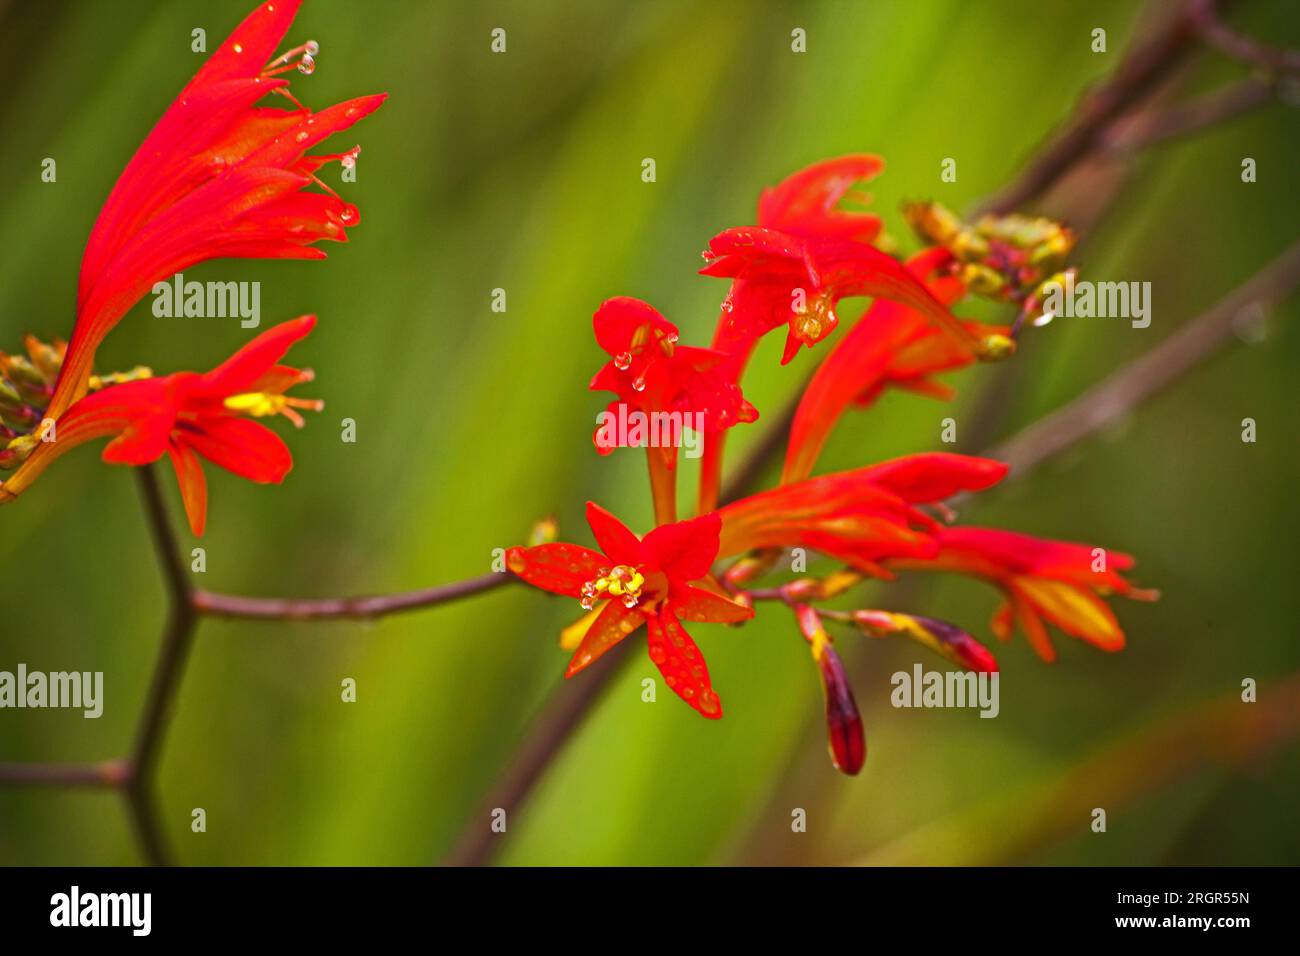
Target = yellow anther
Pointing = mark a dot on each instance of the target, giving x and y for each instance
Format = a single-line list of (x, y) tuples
[(261, 404), (622, 582)]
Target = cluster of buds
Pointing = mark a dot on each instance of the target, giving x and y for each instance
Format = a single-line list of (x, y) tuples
[(846, 739), (1006, 258), (26, 386)]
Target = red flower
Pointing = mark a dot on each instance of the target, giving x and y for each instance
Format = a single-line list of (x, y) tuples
[(651, 373), (861, 517), (1042, 580), (803, 257), (188, 415), (893, 344), (216, 178), (640, 581), (805, 203)]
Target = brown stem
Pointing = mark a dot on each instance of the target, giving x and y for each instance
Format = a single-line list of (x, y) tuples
[(106, 773), (173, 652), (1142, 69), (213, 604), (1151, 372), (1238, 46), (1184, 119), (561, 716)]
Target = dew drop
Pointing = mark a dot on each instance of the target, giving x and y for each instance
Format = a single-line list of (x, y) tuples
[(639, 383), (727, 304), (307, 65), (238, 48), (623, 361), (301, 137), (312, 47)]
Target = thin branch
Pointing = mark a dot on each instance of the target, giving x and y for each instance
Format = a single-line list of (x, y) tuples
[(1238, 46), (106, 773), (1153, 371), (1211, 109), (561, 715), (1142, 69), (173, 652), (213, 604)]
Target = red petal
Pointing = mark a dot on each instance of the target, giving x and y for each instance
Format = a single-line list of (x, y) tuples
[(613, 624), (619, 319), (251, 45), (241, 446), (805, 201), (194, 486), (256, 359), (696, 604), (935, 476), (682, 664), (620, 545), (560, 568), (686, 550)]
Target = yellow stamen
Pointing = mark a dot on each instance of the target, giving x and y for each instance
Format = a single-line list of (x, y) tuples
[(621, 582), (261, 404)]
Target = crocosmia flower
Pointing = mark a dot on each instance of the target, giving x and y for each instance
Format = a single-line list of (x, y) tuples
[(218, 177), (659, 581), (1057, 582), (860, 517), (188, 416), (803, 257), (651, 373), (893, 345)]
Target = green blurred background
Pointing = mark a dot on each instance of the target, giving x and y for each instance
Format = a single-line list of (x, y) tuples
[(522, 171)]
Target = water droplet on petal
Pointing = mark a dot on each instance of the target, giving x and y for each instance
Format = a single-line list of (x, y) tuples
[(238, 48), (639, 383), (727, 304), (307, 65), (301, 137), (623, 361)]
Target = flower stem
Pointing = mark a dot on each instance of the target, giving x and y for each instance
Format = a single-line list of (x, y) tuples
[(663, 486)]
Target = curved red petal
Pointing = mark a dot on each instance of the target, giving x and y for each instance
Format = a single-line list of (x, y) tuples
[(620, 545), (241, 446), (682, 664), (612, 624), (559, 567), (697, 604), (193, 484), (258, 358), (686, 550)]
